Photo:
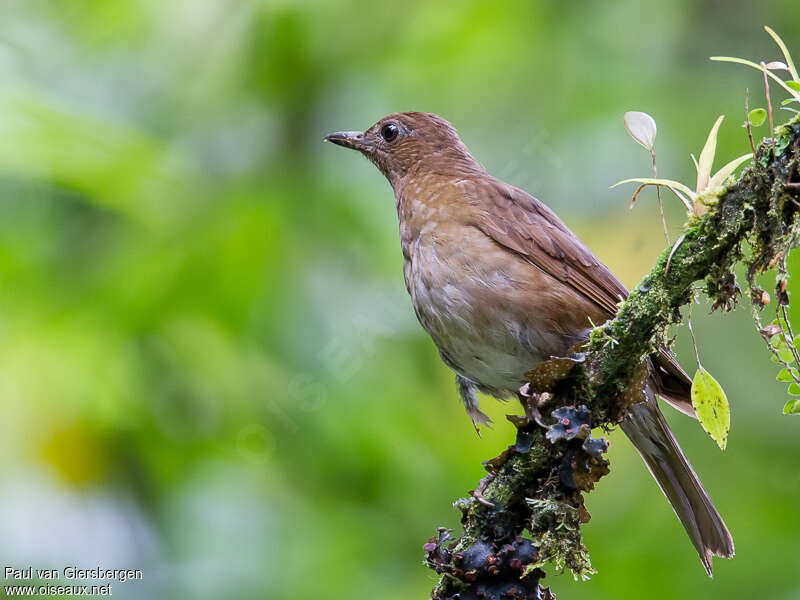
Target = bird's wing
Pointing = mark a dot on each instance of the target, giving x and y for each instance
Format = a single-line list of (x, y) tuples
[(673, 384), (515, 219)]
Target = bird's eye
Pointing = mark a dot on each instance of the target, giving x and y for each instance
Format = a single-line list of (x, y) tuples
[(389, 132)]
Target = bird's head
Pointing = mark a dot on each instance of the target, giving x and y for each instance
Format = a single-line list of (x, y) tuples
[(410, 143)]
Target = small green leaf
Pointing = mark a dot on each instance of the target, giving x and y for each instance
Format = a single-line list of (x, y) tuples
[(795, 85), (757, 117), (792, 407), (784, 375), (794, 389), (711, 405), (786, 355)]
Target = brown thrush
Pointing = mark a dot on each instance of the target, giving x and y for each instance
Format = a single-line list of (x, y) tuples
[(501, 285)]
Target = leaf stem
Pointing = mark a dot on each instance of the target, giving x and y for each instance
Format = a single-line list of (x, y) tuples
[(747, 121), (658, 192), (691, 332)]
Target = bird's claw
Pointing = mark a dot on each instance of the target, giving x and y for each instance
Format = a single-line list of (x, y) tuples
[(482, 485)]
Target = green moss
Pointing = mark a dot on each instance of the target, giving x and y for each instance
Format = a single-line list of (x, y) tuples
[(556, 529)]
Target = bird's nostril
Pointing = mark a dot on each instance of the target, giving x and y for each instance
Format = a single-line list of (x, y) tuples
[(348, 139)]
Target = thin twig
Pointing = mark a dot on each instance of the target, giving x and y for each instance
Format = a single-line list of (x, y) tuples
[(791, 369), (790, 340), (678, 242), (691, 331), (636, 193), (783, 271), (769, 105), (658, 192), (786, 333), (747, 121)]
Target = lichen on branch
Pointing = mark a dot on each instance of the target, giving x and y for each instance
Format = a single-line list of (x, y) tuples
[(527, 513)]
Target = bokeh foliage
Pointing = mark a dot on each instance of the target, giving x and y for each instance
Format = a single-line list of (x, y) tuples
[(209, 367)]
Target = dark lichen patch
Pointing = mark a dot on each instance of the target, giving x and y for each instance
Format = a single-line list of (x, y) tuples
[(570, 423), (485, 569), (595, 447), (583, 464)]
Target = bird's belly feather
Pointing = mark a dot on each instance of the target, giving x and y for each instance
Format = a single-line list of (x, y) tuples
[(469, 311)]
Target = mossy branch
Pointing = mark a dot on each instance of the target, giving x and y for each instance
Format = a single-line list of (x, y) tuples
[(536, 486)]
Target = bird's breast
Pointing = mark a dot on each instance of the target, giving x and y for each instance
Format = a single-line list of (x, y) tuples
[(482, 305)]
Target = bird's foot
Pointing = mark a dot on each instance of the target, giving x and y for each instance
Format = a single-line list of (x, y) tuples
[(532, 404), (482, 485)]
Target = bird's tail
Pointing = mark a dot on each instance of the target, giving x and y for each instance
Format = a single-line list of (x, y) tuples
[(646, 427)]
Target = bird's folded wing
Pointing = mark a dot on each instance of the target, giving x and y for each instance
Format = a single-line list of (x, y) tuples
[(674, 384), (518, 221)]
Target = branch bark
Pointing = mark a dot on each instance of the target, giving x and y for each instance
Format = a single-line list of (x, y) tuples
[(537, 484)]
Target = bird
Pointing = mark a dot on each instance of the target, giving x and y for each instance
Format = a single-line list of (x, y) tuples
[(501, 285)]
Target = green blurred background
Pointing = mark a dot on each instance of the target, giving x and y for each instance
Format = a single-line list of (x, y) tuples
[(209, 368)]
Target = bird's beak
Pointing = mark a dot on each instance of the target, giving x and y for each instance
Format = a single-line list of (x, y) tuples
[(348, 139)]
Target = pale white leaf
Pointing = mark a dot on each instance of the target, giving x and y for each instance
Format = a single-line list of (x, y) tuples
[(641, 127), (720, 176), (777, 65), (707, 157)]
